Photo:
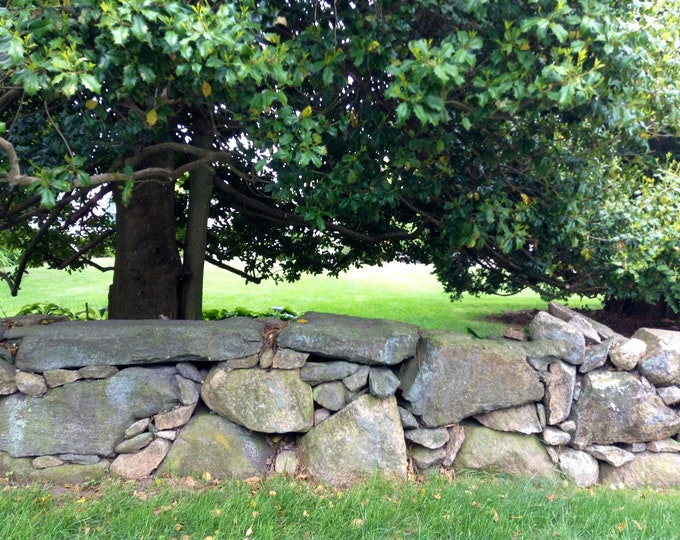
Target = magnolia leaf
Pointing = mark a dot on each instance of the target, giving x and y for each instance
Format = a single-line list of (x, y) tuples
[(151, 117), (306, 112), (206, 88)]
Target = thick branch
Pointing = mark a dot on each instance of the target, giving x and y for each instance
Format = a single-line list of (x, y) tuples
[(294, 219)]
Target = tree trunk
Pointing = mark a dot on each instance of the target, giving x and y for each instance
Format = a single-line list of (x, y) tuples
[(147, 267), (200, 192)]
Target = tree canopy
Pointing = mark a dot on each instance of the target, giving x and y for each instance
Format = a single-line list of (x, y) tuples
[(506, 143)]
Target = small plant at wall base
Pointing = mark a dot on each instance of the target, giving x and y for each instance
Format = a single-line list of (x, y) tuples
[(284, 313)]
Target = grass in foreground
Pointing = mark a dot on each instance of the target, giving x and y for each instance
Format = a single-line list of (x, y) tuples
[(408, 293), (468, 507)]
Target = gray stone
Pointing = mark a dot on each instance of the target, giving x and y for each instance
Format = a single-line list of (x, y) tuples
[(86, 417), (429, 438), (580, 467), (127, 342), (245, 363), (134, 444), (97, 372), (212, 444), (495, 452), (45, 462), (456, 376), (266, 359), (635, 448), (408, 421), (289, 359), (661, 363), (286, 462), (269, 402), (5, 353), (364, 438), (321, 415), (522, 419), (425, 458), (670, 395), (189, 371), (568, 425), (545, 326), (30, 384), (22, 470), (174, 418), (627, 354), (665, 445), (583, 325), (382, 382), (168, 434), (320, 372), (365, 341), (646, 470), (60, 377), (561, 311), (7, 382), (566, 314), (559, 392), (331, 395), (619, 407), (142, 463), (137, 427), (452, 447), (596, 356), (540, 354), (80, 459), (189, 392), (357, 380), (610, 454), (555, 437)]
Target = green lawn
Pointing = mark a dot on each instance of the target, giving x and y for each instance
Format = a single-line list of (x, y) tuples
[(408, 293)]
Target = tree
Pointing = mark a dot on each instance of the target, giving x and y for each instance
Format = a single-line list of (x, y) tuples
[(481, 137)]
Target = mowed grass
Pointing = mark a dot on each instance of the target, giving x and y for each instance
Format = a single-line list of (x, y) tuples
[(409, 293), (470, 506)]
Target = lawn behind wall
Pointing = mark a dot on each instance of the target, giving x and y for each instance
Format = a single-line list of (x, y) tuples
[(402, 292)]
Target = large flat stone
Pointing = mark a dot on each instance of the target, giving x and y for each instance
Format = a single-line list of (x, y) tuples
[(456, 376), (661, 363), (363, 438), (89, 343), (212, 444), (84, 417), (618, 407), (364, 341), (276, 401)]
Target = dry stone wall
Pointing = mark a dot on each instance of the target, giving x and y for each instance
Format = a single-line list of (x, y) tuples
[(337, 398)]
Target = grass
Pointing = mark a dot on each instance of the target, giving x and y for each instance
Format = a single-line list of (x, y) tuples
[(408, 293), (471, 506)]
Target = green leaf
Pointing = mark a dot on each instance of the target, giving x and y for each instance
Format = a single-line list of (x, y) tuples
[(91, 83), (402, 113)]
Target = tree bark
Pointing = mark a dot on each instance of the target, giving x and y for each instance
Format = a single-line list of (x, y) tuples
[(147, 267), (201, 183), (191, 287)]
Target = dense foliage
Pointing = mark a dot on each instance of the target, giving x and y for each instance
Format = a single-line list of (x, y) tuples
[(504, 142)]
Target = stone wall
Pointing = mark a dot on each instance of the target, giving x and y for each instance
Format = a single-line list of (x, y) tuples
[(337, 398)]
